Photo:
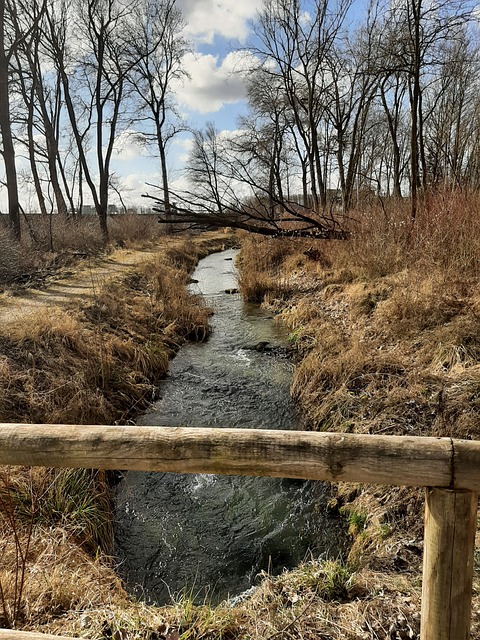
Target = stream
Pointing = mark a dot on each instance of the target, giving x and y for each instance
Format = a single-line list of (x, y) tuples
[(210, 536)]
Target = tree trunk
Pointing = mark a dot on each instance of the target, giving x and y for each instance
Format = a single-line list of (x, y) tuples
[(318, 170), (6, 133), (33, 161), (102, 208), (165, 185), (52, 154), (414, 168), (415, 102), (393, 129), (341, 170)]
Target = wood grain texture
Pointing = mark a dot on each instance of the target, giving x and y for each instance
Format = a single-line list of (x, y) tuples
[(336, 457), (450, 525), (466, 465), (450, 468), (7, 634)]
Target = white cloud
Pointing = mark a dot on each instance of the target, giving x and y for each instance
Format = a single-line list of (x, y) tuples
[(305, 18), (136, 182), (128, 145), (181, 185), (132, 186), (211, 85), (225, 18), (183, 148), (230, 134)]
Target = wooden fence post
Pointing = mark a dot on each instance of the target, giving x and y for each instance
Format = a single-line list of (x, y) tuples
[(450, 525)]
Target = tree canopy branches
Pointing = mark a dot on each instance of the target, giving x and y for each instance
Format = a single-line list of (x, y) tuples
[(341, 108), (82, 73), (338, 114)]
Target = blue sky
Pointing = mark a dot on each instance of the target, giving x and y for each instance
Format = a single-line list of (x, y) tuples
[(217, 29)]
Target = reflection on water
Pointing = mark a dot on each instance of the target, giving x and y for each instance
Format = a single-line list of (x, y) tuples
[(211, 535)]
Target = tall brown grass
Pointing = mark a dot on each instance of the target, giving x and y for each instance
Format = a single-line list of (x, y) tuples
[(93, 364), (383, 241), (54, 241), (99, 364), (260, 272), (381, 318), (445, 235), (387, 326)]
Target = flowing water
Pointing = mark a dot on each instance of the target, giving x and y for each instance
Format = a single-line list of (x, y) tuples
[(211, 535)]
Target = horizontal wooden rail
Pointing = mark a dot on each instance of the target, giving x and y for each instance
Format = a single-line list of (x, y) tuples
[(336, 457), (449, 468), (9, 634)]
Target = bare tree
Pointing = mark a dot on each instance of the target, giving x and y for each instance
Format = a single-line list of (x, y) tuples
[(43, 104), (351, 92), (229, 187), (411, 37), (452, 102), (295, 39), (10, 40), (157, 48), (240, 180), (94, 98), (266, 135), (392, 91)]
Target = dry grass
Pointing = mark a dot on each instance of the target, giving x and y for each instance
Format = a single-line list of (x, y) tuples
[(387, 322), (387, 328), (15, 259), (48, 244), (60, 577), (100, 364), (133, 229), (264, 276), (72, 594), (84, 365)]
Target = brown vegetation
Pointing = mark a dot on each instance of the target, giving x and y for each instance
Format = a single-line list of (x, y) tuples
[(55, 242), (96, 361), (98, 364), (387, 328)]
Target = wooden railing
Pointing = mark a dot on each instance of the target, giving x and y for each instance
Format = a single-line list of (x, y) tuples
[(448, 468)]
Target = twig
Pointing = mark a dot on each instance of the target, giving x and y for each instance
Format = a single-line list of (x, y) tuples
[(278, 634)]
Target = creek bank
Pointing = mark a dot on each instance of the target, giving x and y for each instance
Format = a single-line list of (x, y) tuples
[(384, 524), (87, 364), (388, 353), (375, 595), (98, 360)]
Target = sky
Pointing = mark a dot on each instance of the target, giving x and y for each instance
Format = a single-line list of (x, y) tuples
[(217, 29)]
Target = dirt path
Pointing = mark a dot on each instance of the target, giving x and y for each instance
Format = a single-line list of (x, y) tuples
[(70, 287)]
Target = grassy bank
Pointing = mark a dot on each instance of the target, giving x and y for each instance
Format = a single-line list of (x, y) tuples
[(96, 362), (386, 326), (387, 331)]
